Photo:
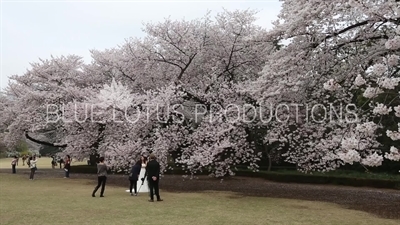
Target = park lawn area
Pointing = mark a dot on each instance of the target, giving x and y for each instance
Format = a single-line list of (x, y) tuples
[(42, 163), (69, 201)]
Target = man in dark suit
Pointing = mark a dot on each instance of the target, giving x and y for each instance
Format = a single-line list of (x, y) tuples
[(153, 177)]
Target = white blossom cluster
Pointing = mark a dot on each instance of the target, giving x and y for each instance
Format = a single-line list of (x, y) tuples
[(393, 60), (381, 109), (349, 143), (397, 110), (367, 128), (394, 135), (372, 160), (359, 81), (393, 44), (394, 154), (379, 69), (331, 85), (114, 95), (388, 83), (371, 92), (349, 156)]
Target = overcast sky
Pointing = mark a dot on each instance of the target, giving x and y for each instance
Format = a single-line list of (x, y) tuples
[(38, 29)]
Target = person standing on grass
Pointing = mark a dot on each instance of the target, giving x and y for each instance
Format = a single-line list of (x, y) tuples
[(23, 160), (32, 166), (14, 163), (61, 161), (53, 161), (28, 158), (134, 176), (153, 177), (144, 186), (101, 177), (67, 166)]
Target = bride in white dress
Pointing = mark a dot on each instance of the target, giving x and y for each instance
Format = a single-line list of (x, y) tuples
[(145, 186)]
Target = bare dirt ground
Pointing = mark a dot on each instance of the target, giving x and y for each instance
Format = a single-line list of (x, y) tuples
[(381, 202)]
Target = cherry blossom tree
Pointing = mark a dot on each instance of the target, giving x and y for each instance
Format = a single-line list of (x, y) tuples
[(339, 55), (138, 98), (182, 63), (198, 93), (50, 82)]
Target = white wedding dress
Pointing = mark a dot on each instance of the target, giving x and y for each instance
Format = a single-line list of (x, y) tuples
[(145, 186)]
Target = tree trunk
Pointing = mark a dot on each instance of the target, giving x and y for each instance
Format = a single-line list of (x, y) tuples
[(93, 159), (269, 158), (269, 162)]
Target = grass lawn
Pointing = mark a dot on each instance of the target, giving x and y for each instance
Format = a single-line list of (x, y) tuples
[(43, 163), (69, 201)]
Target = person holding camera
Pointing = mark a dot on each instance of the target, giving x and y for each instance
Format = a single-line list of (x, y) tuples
[(101, 177), (14, 163), (32, 166)]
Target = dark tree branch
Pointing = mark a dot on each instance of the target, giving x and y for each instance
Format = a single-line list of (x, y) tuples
[(43, 142)]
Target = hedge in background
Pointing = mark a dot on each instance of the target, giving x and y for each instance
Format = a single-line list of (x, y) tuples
[(392, 182)]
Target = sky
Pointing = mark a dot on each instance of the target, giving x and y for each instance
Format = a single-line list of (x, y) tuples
[(38, 29)]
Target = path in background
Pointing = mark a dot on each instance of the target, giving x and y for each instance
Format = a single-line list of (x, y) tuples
[(43, 163)]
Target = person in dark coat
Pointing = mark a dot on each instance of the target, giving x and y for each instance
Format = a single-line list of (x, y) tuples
[(134, 176), (67, 166), (153, 177)]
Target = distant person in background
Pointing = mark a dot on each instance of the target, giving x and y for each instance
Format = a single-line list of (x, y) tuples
[(23, 160), (28, 158), (32, 166), (14, 163), (61, 161), (101, 177), (67, 166), (134, 176), (53, 161)]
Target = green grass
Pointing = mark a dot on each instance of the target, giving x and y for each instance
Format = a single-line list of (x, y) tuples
[(68, 201)]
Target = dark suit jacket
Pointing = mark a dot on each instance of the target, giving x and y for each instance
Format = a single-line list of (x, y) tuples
[(135, 172), (152, 170)]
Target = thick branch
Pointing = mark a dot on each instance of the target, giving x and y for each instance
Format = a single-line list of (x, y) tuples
[(44, 142), (347, 29)]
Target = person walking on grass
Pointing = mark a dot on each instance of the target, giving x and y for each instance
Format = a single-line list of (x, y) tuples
[(14, 163), (153, 178), (32, 166), (134, 176), (101, 177)]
